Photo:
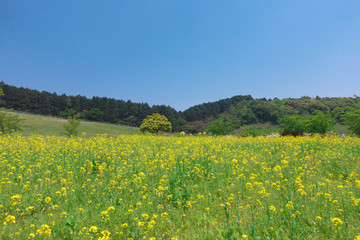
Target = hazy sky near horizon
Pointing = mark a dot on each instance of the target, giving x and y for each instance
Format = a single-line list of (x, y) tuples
[(182, 52)]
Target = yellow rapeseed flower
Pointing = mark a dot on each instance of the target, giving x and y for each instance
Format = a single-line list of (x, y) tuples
[(337, 222), (93, 229), (31, 235), (9, 218), (272, 208)]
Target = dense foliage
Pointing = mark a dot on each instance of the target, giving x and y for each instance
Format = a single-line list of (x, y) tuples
[(101, 109), (294, 125), (320, 122), (220, 127), (155, 123), (351, 116), (353, 120), (297, 125), (212, 109)]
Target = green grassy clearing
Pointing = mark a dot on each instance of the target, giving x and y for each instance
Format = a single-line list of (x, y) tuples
[(53, 126)]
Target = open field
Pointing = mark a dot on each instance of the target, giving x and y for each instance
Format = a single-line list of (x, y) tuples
[(156, 187), (52, 126)]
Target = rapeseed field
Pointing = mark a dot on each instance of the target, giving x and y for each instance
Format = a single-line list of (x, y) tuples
[(179, 187)]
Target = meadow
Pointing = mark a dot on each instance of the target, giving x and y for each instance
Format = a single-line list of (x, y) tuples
[(53, 126), (179, 187)]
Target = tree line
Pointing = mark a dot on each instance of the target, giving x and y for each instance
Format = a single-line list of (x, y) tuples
[(238, 110), (100, 109), (244, 110)]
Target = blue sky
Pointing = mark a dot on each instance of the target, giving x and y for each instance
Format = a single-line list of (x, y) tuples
[(182, 52)]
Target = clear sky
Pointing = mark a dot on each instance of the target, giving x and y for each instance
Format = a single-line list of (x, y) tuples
[(182, 52)]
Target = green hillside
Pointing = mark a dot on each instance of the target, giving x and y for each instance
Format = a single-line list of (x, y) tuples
[(240, 111), (43, 125)]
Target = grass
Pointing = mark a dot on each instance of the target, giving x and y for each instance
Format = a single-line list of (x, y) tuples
[(53, 126)]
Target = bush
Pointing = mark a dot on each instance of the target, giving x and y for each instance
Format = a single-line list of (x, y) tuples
[(155, 123), (320, 123), (297, 125), (9, 122), (220, 127), (352, 119), (294, 125)]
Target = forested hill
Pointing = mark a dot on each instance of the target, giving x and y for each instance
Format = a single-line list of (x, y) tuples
[(100, 109), (244, 110), (239, 110), (212, 109)]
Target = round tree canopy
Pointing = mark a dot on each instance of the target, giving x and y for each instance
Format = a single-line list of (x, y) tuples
[(155, 123)]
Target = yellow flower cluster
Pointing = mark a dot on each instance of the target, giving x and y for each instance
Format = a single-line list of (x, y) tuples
[(179, 187)]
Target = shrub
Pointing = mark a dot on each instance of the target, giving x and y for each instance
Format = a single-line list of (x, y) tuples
[(9, 122), (220, 127), (320, 123), (155, 123), (352, 119), (294, 125), (71, 126)]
